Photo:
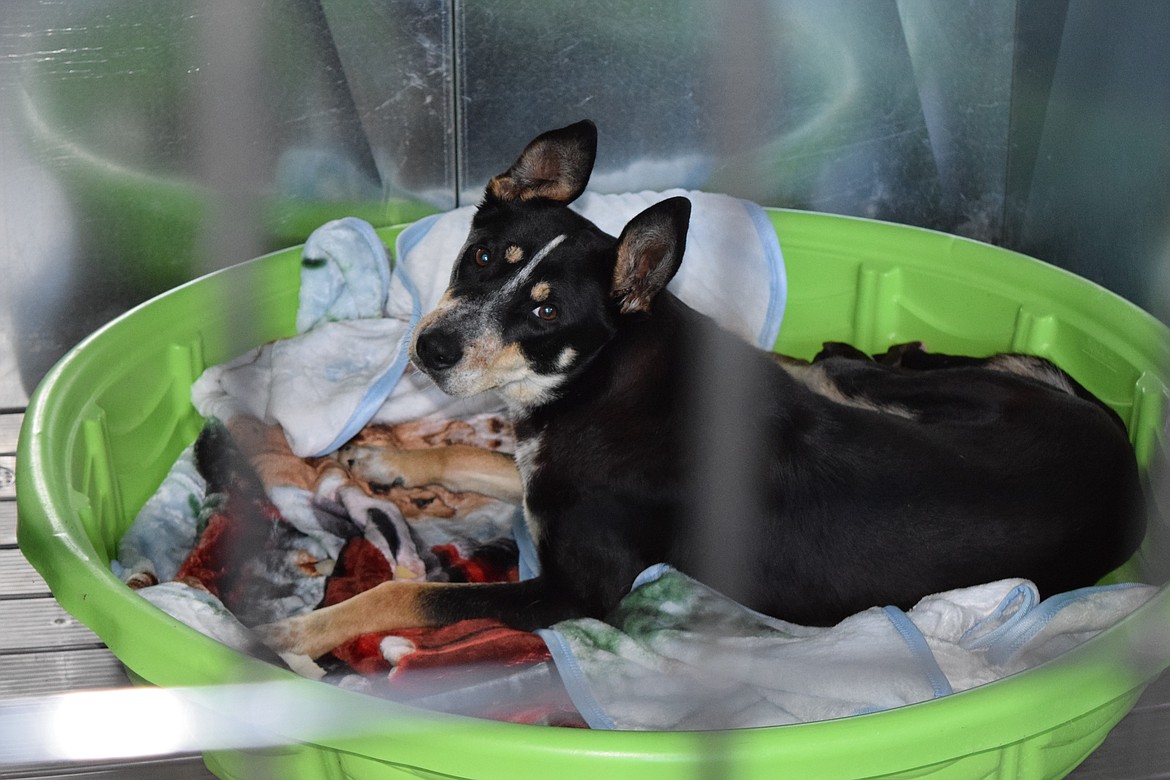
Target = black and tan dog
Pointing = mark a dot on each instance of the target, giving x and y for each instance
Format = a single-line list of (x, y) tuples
[(873, 481)]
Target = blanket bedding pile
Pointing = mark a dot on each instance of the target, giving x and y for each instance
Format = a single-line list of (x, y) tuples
[(274, 534), (259, 521)]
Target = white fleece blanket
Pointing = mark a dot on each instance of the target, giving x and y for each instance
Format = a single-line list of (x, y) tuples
[(678, 656), (349, 366)]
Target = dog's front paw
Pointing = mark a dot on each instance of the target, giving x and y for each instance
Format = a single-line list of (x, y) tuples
[(376, 466), (297, 636), (387, 468)]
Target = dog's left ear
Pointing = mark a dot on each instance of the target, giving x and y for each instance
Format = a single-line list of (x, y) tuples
[(555, 166), (649, 253)]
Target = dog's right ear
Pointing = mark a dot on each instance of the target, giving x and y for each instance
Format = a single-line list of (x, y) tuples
[(649, 252), (554, 166)]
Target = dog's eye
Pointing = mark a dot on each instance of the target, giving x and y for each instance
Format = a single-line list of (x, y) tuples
[(546, 311), (482, 256)]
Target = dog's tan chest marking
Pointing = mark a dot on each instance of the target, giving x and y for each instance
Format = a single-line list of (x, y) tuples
[(527, 452), (566, 358), (531, 389)]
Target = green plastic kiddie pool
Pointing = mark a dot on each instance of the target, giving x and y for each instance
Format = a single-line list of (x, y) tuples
[(106, 424)]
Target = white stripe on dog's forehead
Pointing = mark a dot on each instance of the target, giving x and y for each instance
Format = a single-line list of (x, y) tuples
[(525, 273)]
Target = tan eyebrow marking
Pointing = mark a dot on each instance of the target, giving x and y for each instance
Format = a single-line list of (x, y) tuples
[(513, 254), (541, 291), (525, 273)]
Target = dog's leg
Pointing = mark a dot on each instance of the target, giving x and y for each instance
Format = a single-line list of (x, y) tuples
[(457, 467), (902, 354), (393, 605), (268, 453)]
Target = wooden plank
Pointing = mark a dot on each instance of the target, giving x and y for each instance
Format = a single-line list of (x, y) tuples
[(7, 477), (181, 767), (18, 577), (9, 432), (59, 671), (7, 523), (36, 624)]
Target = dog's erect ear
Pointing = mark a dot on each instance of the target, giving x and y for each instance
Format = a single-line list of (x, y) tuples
[(555, 165), (649, 253)]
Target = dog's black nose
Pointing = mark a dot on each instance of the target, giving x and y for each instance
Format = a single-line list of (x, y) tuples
[(438, 349)]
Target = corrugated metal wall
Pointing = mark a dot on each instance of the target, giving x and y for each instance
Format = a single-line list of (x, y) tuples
[(144, 142)]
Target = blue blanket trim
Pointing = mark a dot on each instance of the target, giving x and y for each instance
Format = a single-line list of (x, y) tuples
[(529, 563), (920, 650), (410, 236), (1019, 601), (651, 574), (769, 240), (575, 680), (1031, 621)]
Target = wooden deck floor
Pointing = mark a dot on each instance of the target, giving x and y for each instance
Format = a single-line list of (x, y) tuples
[(45, 651)]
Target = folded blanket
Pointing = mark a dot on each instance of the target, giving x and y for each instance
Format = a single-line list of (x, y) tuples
[(677, 655), (348, 365), (345, 275)]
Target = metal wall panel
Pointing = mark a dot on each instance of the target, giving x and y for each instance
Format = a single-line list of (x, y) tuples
[(1090, 189), (398, 60), (895, 110), (144, 143)]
